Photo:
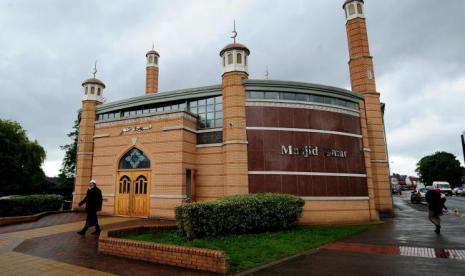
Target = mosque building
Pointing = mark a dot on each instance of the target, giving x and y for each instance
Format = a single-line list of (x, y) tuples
[(327, 145)]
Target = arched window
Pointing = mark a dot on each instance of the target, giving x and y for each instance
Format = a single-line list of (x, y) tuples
[(156, 60), (98, 91), (245, 60), (124, 185), (224, 60), (141, 185), (351, 9), (230, 58), (134, 159), (239, 58), (92, 90), (359, 8), (86, 90), (150, 59)]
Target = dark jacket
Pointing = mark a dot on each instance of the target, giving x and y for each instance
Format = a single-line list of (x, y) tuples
[(435, 202), (93, 200)]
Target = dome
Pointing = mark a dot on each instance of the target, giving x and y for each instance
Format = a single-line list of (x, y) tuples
[(152, 52), (348, 1), (234, 46), (93, 81)]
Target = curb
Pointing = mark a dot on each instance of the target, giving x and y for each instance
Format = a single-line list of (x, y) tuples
[(20, 219), (267, 265)]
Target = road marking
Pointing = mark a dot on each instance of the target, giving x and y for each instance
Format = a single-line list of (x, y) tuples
[(424, 252)]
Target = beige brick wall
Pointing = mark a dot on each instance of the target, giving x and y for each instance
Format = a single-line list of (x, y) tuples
[(171, 152), (335, 212), (360, 64), (84, 151), (151, 82), (234, 134)]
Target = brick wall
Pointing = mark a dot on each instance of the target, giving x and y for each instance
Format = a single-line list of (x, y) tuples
[(194, 258)]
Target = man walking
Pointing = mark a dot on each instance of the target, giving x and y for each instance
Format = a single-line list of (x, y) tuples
[(93, 201), (435, 207)]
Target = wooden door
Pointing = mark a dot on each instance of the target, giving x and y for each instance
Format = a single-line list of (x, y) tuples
[(140, 206), (123, 191), (132, 197)]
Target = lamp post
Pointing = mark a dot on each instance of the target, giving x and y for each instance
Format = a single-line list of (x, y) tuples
[(463, 145)]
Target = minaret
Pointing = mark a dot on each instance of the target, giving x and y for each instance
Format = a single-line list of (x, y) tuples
[(234, 58), (93, 95), (151, 79), (362, 79)]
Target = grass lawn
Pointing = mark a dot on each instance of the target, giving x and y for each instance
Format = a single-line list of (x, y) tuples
[(250, 250)]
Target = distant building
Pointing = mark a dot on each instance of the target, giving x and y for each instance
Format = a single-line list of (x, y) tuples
[(151, 153)]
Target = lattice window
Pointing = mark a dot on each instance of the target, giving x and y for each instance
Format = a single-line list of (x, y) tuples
[(134, 159), (124, 185), (141, 185)]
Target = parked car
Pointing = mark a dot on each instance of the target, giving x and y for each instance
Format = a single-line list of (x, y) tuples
[(443, 186), (418, 196), (396, 190), (458, 191)]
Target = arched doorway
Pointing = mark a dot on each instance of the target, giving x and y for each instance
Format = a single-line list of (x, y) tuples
[(133, 184)]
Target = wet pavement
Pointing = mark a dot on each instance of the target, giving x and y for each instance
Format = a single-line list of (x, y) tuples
[(50, 246), (409, 229)]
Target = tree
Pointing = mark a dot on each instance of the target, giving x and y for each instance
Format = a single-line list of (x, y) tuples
[(68, 166), (440, 166), (20, 161)]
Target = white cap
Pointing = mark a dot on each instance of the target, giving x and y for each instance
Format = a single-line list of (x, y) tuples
[(92, 181)]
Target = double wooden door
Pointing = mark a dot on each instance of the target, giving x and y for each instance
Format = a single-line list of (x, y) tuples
[(132, 193)]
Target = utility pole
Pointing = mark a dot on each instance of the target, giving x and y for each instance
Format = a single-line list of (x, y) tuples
[(463, 145)]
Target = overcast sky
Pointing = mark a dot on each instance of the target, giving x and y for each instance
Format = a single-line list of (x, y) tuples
[(47, 49)]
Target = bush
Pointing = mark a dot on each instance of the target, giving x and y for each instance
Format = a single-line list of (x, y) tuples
[(29, 204), (239, 214)]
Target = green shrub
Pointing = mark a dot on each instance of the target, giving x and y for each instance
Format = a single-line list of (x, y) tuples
[(29, 204), (238, 214)]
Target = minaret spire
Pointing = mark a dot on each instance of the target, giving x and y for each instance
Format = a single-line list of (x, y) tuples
[(95, 68), (234, 33)]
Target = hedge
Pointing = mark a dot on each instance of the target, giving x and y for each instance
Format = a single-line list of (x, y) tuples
[(29, 204), (239, 214)]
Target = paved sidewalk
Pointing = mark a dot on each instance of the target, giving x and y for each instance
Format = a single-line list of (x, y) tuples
[(51, 246), (405, 245)]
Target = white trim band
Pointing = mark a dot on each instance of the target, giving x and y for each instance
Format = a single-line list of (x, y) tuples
[(306, 130), (179, 128), (101, 135), (108, 195), (169, 196), (308, 173), (232, 142), (302, 105), (334, 198), (379, 161)]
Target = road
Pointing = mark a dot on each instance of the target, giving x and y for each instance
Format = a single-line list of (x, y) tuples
[(452, 202)]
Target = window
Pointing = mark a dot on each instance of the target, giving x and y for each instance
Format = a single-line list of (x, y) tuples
[(301, 97), (230, 58), (98, 91), (86, 90), (156, 60), (141, 185), (257, 95), (92, 90), (288, 96), (351, 9), (359, 8), (134, 159), (124, 185), (188, 185), (272, 95), (224, 60), (245, 60), (150, 59), (239, 58)]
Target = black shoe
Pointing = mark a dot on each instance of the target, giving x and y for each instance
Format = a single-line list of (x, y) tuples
[(96, 232), (438, 229), (82, 233)]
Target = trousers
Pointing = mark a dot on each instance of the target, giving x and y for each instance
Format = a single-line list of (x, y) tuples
[(434, 217), (91, 220)]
